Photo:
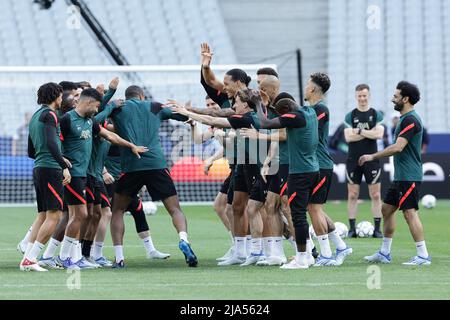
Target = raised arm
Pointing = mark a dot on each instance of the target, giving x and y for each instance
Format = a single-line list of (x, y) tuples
[(109, 108), (207, 73), (109, 94)]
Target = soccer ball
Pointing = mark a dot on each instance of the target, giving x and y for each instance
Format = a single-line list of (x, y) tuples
[(364, 229), (342, 229), (149, 207), (429, 201), (312, 233)]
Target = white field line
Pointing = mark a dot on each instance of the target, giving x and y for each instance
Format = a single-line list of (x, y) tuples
[(225, 284)]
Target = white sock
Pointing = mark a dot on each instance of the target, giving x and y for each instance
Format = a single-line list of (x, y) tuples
[(267, 242), (309, 245), (256, 244), (277, 246), (183, 236), (66, 247), (51, 248), (422, 249), (27, 237), (386, 246), (148, 244), (79, 251), (248, 245), (337, 241), (240, 246), (74, 251), (28, 249), (98, 250), (35, 250), (324, 243), (301, 257), (119, 253)]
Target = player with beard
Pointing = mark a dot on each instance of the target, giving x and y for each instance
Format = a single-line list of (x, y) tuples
[(403, 194), (77, 129)]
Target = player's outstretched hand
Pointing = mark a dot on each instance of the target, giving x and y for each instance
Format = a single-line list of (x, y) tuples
[(365, 158), (264, 97), (100, 88), (68, 163), (251, 133), (206, 166), (255, 96), (206, 55), (114, 83), (108, 178), (172, 102), (232, 134), (264, 172), (67, 176), (218, 133), (180, 110), (119, 103), (138, 149)]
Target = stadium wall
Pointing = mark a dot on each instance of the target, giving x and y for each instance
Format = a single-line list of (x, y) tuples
[(266, 28)]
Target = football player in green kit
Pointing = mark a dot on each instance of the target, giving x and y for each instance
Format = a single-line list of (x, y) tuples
[(77, 129), (403, 193)]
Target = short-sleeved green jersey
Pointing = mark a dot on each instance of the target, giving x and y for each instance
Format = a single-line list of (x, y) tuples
[(408, 163), (303, 139), (77, 135), (43, 157), (138, 122), (323, 117)]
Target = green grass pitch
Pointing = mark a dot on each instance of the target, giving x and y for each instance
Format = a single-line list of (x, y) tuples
[(172, 279)]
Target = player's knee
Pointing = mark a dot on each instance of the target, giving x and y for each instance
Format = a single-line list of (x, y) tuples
[(271, 208), (314, 209), (375, 196), (353, 196), (238, 208), (410, 215), (218, 207), (81, 215), (97, 214)]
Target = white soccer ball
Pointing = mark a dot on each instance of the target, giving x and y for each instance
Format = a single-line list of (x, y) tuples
[(312, 233), (342, 229), (149, 207), (364, 229), (429, 201)]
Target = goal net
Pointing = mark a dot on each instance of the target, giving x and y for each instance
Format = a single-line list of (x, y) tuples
[(18, 87)]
